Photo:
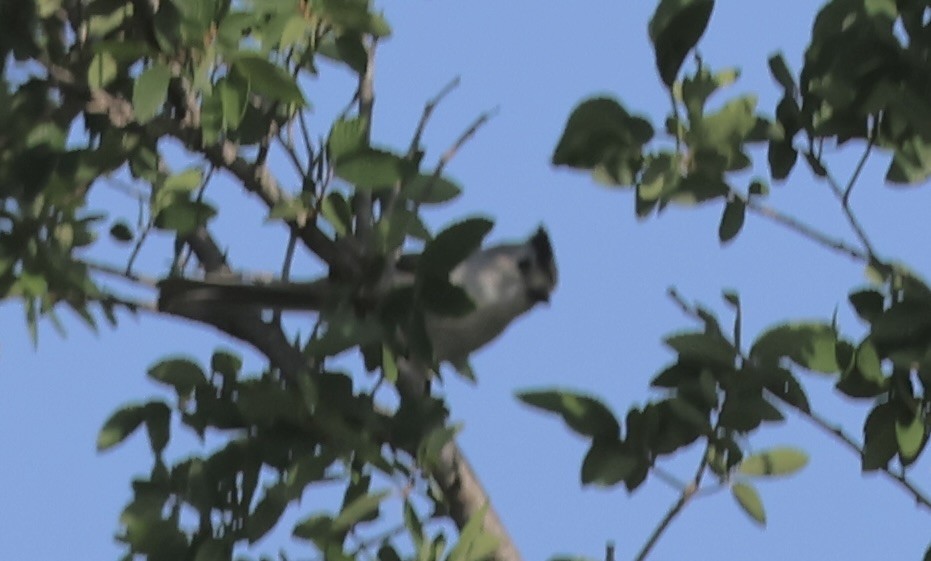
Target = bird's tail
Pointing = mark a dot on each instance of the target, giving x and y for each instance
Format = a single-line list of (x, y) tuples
[(179, 293)]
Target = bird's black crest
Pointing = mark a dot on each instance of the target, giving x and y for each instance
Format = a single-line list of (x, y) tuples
[(542, 247)]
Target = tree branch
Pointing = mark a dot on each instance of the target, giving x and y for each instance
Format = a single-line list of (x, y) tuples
[(806, 230)]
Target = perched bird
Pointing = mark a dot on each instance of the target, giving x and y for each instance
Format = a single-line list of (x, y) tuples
[(503, 282)]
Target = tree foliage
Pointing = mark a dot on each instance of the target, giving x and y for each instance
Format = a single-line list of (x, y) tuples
[(102, 92), (864, 85)]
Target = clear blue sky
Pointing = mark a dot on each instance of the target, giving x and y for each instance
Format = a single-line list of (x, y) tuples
[(535, 61)]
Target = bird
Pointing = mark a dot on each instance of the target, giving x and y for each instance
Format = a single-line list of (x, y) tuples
[(503, 282)]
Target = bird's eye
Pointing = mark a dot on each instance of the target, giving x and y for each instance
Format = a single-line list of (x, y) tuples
[(524, 264)]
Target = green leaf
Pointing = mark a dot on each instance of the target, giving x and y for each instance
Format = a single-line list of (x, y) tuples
[(226, 363), (354, 15), (182, 374), (358, 510), (902, 324), (732, 220), (234, 95), (607, 463), (348, 48), (343, 332), (810, 345), (158, 424), (389, 364), (782, 156), (583, 414), (121, 232), (122, 423), (911, 164), (336, 211), (102, 70), (184, 216), (704, 348), (453, 245), (880, 438), (776, 461), (150, 92), (474, 543), (268, 79), (372, 169), (864, 377), (601, 135), (675, 28), (430, 190), (347, 136), (718, 139), (910, 437), (317, 528), (781, 73), (749, 501), (444, 298), (214, 550), (744, 413), (413, 524), (867, 303), (428, 452), (758, 188), (184, 181)]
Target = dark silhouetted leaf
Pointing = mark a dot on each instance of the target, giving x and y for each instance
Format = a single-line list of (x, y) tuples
[(451, 246), (607, 463), (675, 28), (867, 303), (810, 345), (182, 374), (732, 220), (583, 414), (157, 423), (880, 442), (704, 348), (120, 425)]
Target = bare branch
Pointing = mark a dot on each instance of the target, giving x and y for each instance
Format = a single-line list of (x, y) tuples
[(806, 230), (671, 514), (428, 109), (836, 431)]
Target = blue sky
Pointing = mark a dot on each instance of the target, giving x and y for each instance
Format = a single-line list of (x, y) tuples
[(602, 333)]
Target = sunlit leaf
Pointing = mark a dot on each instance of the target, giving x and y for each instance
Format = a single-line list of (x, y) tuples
[(372, 169), (810, 345), (150, 92), (749, 500), (775, 461)]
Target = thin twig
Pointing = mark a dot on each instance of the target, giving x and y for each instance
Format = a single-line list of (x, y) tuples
[(806, 230), (120, 272), (671, 514), (428, 109), (669, 478), (843, 196), (920, 497)]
